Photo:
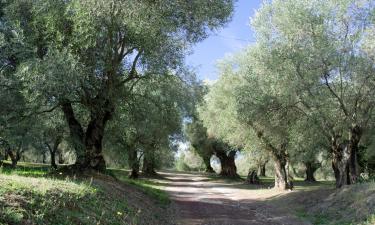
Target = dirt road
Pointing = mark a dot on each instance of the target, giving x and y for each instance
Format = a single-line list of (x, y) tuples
[(199, 200)]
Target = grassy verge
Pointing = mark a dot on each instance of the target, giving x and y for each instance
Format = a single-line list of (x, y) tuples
[(29, 196), (26, 200), (148, 187), (322, 204)]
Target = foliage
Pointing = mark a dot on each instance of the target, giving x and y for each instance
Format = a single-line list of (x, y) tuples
[(189, 161), (86, 57)]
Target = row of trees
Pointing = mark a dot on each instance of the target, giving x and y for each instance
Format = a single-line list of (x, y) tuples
[(94, 73), (304, 90)]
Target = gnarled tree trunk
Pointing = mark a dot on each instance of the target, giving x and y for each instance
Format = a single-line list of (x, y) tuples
[(149, 162), (134, 163), (14, 157), (311, 168), (93, 142), (228, 165), (355, 137), (283, 179), (88, 145), (53, 150), (345, 157)]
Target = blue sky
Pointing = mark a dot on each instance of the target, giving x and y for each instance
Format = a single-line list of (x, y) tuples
[(236, 35)]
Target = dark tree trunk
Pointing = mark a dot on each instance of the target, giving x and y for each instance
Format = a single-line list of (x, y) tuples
[(252, 177), (149, 162), (282, 177), (228, 165), (207, 163), (355, 137), (88, 145), (61, 159), (311, 168), (14, 158), (134, 163), (44, 157), (340, 162), (262, 169), (76, 134), (53, 160), (54, 150), (93, 143), (345, 158)]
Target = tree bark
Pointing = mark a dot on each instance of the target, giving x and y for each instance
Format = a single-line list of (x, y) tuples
[(14, 157), (355, 137), (149, 162), (88, 145), (262, 169), (345, 157), (76, 134), (134, 163), (53, 160), (207, 163), (311, 168), (61, 159), (93, 143), (228, 165), (44, 157), (252, 177), (340, 162), (282, 177)]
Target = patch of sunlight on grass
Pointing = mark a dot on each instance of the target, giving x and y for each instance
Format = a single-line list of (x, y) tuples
[(41, 185), (26, 169)]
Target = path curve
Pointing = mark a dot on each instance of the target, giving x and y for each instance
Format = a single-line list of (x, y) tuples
[(199, 200)]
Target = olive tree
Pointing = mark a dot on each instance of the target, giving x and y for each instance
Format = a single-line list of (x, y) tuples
[(83, 54), (320, 49)]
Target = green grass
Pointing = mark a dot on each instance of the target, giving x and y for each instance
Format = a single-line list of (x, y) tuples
[(28, 196), (350, 205), (26, 169), (48, 201), (148, 187)]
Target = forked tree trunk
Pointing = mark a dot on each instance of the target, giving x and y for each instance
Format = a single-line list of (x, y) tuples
[(149, 162), (88, 145), (53, 150), (311, 168), (282, 177), (228, 165), (134, 163), (345, 158)]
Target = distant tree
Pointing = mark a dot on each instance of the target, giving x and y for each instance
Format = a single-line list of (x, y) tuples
[(197, 136), (149, 121)]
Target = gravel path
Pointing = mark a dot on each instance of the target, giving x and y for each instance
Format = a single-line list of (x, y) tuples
[(198, 200)]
